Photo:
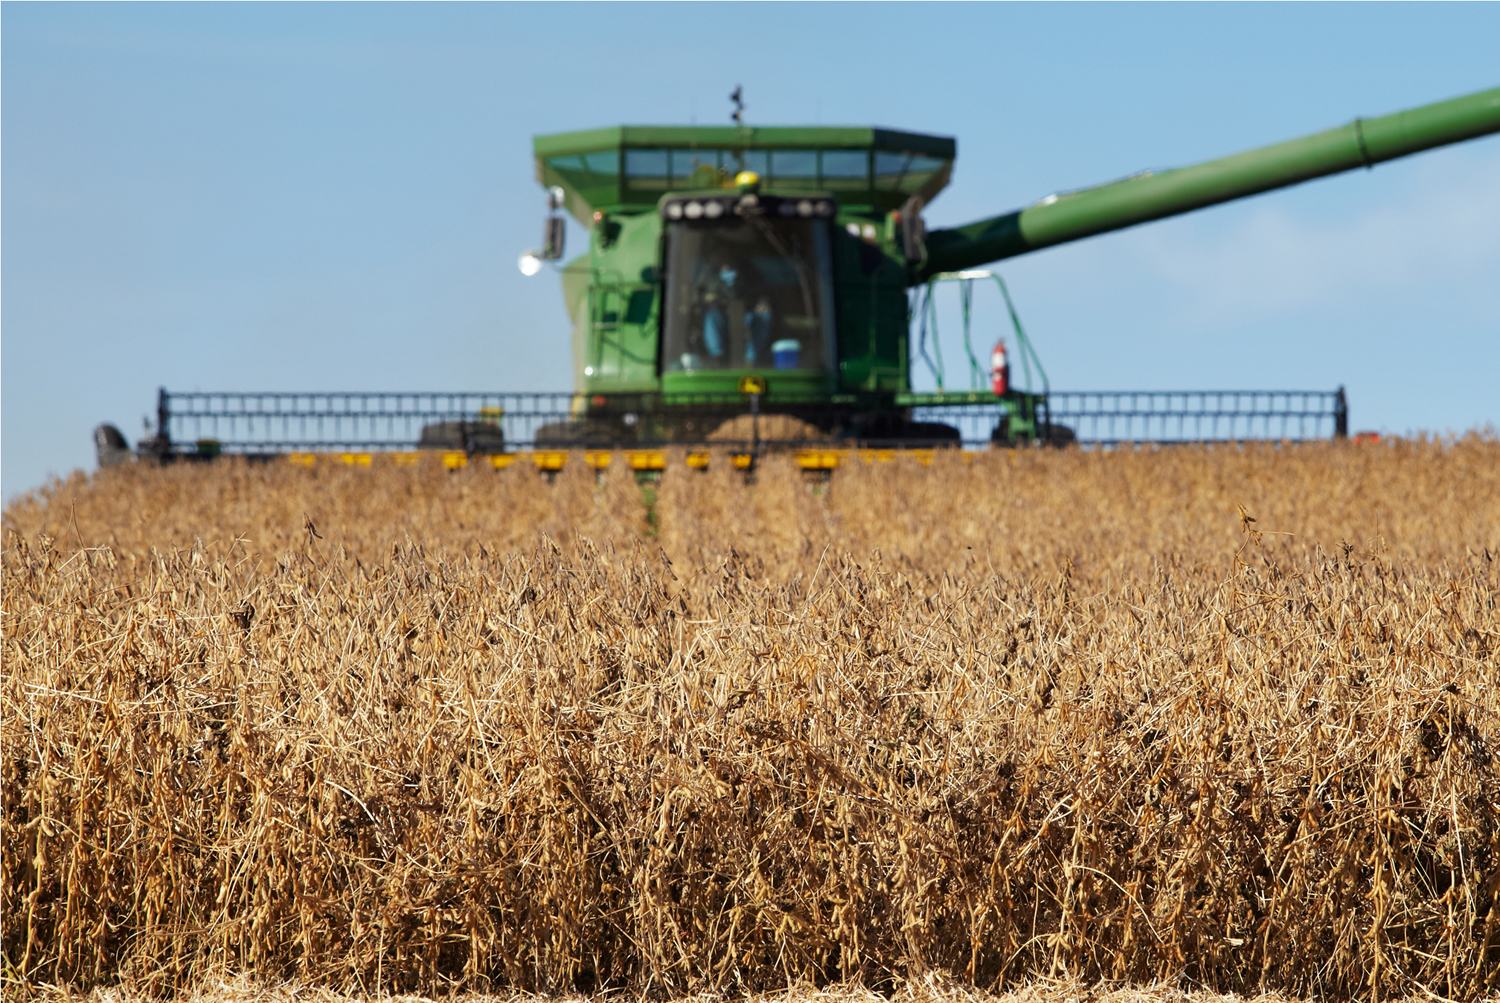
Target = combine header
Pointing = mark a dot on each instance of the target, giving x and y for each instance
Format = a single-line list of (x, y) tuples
[(750, 288)]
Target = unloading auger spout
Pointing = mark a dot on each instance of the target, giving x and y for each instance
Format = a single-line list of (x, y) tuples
[(1069, 216)]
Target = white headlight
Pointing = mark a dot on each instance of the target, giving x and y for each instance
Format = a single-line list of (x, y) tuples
[(713, 210), (530, 263), (674, 210), (804, 209), (869, 231), (853, 229), (693, 210)]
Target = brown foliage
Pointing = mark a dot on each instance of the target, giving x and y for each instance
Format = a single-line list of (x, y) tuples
[(1042, 714)]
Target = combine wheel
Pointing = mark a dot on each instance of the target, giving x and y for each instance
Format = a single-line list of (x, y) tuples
[(584, 432), (1059, 436), (932, 433), (473, 437)]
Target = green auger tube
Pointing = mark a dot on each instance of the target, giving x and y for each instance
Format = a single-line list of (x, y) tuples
[(1068, 216)]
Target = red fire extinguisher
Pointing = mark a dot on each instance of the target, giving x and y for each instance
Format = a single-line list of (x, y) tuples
[(999, 370)]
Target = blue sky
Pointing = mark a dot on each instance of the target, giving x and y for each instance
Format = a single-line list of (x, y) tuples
[(287, 196)]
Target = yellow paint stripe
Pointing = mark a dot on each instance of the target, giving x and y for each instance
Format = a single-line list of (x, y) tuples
[(635, 459)]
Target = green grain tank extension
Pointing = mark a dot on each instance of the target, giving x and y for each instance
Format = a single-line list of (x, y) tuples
[(786, 254)]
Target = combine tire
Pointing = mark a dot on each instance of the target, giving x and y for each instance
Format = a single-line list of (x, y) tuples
[(1060, 436), (932, 433), (581, 434), (1000, 438), (475, 437)]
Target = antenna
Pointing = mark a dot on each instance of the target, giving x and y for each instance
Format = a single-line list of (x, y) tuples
[(738, 118)]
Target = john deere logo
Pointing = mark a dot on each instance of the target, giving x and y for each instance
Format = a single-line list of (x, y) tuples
[(752, 384)]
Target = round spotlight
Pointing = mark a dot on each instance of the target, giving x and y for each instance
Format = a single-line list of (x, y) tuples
[(693, 210), (869, 231), (674, 210), (713, 210), (749, 201), (530, 263), (825, 208), (853, 229), (787, 209), (804, 209)]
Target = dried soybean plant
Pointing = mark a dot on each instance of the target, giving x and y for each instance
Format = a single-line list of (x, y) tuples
[(1034, 715)]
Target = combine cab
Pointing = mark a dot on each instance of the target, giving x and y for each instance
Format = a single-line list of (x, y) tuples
[(725, 258), (757, 288)]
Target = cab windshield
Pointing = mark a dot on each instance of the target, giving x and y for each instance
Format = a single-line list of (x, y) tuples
[(748, 294)]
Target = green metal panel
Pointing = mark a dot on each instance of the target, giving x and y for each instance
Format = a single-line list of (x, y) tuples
[(791, 385), (871, 309), (576, 277), (623, 305), (1070, 216)]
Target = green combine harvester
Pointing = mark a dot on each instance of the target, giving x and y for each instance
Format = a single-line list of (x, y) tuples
[(758, 287)]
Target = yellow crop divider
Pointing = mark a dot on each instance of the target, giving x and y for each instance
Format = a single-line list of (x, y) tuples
[(820, 459), (551, 459), (648, 459), (697, 461)]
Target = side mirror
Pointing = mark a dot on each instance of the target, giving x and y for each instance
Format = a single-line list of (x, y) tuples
[(552, 241), (552, 237)]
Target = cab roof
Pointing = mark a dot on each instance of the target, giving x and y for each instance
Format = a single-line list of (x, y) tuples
[(629, 167)]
